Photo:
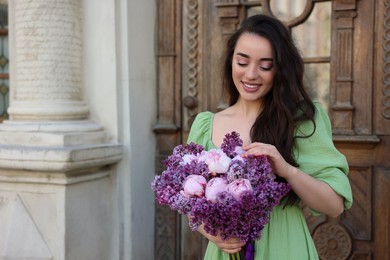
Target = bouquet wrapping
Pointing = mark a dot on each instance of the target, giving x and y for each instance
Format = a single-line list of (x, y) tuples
[(231, 195)]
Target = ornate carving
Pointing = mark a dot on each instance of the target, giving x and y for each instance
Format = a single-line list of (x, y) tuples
[(386, 63), (332, 241), (191, 62)]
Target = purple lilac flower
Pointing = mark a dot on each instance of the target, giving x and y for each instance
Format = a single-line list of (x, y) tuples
[(229, 217), (190, 148), (229, 144), (236, 170)]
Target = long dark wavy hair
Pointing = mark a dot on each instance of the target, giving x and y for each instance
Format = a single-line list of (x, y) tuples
[(287, 104)]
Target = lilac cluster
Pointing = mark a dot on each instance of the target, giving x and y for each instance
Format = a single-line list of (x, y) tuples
[(229, 144), (226, 216), (244, 218)]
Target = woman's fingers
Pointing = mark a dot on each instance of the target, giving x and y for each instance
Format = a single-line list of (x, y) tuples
[(232, 251), (259, 149), (279, 165), (230, 246)]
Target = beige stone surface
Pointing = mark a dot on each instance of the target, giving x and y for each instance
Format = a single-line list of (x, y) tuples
[(42, 219)]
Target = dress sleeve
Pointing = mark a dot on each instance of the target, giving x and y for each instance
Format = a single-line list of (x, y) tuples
[(318, 157), (201, 128)]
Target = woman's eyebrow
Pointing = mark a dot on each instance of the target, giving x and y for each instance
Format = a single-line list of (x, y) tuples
[(247, 56), (242, 55)]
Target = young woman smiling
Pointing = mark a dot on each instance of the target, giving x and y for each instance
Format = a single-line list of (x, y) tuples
[(270, 109)]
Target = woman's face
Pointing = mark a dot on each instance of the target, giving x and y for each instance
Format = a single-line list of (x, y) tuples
[(252, 67)]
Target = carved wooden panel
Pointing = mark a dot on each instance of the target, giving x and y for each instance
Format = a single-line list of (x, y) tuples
[(168, 123), (228, 14), (359, 218), (352, 69), (382, 76), (382, 211), (166, 226), (350, 235), (342, 58), (167, 119), (191, 43)]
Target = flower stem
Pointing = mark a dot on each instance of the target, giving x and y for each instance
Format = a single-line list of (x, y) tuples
[(235, 256)]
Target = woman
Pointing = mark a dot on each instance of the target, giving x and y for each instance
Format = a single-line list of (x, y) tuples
[(270, 109)]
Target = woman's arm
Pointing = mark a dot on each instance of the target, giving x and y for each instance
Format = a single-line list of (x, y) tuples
[(321, 181), (316, 194)]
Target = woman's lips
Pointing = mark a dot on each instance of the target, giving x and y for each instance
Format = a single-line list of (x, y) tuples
[(251, 87)]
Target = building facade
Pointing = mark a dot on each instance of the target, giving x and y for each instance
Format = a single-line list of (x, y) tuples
[(77, 149), (95, 94)]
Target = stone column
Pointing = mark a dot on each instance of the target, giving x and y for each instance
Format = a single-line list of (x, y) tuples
[(46, 100), (55, 164), (47, 57)]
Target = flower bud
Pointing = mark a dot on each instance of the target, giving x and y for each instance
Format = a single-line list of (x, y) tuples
[(194, 185)]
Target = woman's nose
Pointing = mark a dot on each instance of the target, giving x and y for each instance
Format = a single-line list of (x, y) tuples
[(251, 72)]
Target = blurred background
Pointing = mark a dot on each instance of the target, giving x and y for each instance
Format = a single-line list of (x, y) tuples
[(94, 95)]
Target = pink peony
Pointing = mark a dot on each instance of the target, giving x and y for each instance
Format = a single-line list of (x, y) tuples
[(237, 187), (194, 185), (215, 186), (217, 160)]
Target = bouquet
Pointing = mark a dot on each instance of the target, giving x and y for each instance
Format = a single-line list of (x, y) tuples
[(231, 195)]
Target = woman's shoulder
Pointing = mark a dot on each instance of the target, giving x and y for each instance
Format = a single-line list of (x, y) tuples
[(320, 120), (319, 109), (201, 128), (203, 119)]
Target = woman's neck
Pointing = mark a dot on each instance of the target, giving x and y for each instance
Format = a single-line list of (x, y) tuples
[(247, 109)]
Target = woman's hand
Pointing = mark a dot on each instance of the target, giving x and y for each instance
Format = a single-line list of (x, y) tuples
[(230, 246), (316, 194), (279, 165)]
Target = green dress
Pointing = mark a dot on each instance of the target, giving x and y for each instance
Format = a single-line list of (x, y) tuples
[(286, 236)]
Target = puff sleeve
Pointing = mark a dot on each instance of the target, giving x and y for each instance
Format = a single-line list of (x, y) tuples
[(201, 130), (318, 157)]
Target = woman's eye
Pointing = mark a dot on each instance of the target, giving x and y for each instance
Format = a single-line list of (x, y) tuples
[(266, 65), (266, 68), (241, 64)]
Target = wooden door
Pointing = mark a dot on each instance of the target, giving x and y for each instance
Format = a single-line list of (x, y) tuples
[(346, 48)]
